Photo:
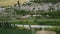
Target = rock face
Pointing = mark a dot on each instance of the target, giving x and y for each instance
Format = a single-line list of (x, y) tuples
[(45, 32)]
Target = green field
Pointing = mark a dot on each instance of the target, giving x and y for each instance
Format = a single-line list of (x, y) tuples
[(12, 31), (38, 22)]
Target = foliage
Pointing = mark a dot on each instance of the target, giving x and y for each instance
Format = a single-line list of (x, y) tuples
[(53, 28), (50, 15), (21, 12), (5, 25), (49, 23), (38, 22), (15, 31), (21, 28)]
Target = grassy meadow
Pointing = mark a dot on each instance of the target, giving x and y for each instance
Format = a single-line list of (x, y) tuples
[(14, 31), (10, 2)]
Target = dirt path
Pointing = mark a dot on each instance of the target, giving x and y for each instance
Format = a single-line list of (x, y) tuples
[(45, 32)]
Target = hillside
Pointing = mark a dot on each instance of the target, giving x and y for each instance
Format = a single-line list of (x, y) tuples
[(10, 2)]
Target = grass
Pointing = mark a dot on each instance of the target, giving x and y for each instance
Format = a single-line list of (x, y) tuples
[(9, 2), (38, 22), (14, 31)]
